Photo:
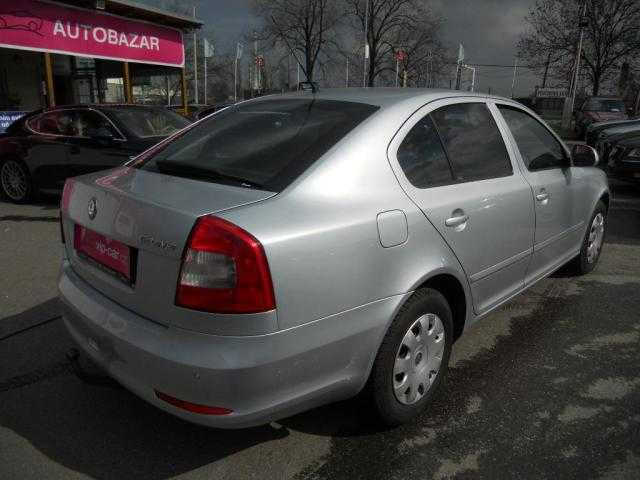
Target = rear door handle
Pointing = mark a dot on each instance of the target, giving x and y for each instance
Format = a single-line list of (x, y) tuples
[(455, 221)]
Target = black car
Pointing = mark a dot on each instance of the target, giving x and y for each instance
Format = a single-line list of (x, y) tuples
[(40, 150), (624, 159), (204, 112), (594, 130), (607, 143)]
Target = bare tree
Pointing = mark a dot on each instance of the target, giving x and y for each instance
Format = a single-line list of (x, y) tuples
[(611, 35), (391, 25), (303, 27)]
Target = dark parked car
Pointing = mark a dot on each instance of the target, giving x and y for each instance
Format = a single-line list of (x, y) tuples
[(609, 138), (193, 110), (211, 109), (40, 150), (624, 158), (598, 109), (595, 129)]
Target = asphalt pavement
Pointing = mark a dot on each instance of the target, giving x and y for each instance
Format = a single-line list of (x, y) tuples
[(546, 387)]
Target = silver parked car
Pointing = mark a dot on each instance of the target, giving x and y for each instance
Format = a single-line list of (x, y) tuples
[(294, 250)]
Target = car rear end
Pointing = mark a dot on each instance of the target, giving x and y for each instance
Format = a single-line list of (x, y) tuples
[(176, 301)]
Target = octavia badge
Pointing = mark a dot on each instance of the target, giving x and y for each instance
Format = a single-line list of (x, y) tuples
[(92, 208)]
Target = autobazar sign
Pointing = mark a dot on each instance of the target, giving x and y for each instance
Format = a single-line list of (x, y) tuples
[(49, 27)]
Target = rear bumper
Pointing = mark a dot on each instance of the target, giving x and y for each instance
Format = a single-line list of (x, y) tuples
[(261, 378)]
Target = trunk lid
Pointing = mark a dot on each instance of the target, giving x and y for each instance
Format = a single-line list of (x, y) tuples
[(152, 214)]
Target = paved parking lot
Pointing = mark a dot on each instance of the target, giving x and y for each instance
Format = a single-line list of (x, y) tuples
[(546, 387)]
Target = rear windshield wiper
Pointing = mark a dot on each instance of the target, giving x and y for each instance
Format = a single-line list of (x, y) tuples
[(187, 170)]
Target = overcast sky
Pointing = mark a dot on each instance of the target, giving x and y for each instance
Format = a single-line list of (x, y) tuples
[(488, 29)]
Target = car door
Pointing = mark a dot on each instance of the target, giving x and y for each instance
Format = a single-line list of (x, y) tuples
[(48, 148), (555, 187), (98, 144), (454, 164)]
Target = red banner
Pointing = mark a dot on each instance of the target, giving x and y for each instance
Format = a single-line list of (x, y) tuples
[(50, 27)]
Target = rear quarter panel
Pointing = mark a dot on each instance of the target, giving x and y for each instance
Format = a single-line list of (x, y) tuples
[(321, 236)]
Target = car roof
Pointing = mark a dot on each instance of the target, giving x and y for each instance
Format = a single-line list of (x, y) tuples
[(382, 97), (99, 106)]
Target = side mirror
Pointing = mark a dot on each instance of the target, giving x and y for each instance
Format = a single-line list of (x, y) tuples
[(584, 156)]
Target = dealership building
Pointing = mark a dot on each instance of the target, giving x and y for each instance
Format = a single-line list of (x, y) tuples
[(89, 51)]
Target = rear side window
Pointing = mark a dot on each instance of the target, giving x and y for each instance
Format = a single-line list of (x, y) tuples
[(422, 157), (265, 144), (473, 142), (61, 122), (538, 147)]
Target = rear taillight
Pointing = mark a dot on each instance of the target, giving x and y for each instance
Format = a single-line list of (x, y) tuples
[(67, 192), (69, 187), (224, 270)]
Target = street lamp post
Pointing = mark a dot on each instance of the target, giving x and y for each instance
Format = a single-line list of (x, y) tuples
[(366, 45)]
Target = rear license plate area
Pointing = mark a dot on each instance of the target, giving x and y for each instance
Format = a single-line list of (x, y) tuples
[(106, 254)]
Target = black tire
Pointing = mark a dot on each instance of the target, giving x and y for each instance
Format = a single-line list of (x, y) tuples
[(26, 192), (582, 264), (389, 408)]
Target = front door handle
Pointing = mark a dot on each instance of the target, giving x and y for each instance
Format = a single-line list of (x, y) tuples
[(456, 221)]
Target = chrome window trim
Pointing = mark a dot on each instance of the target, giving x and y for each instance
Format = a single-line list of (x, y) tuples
[(73, 109)]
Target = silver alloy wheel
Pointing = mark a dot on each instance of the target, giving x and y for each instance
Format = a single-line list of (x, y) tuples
[(14, 180), (418, 359), (596, 236)]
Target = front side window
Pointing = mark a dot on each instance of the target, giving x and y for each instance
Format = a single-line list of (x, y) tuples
[(145, 122), (93, 124), (538, 147), (264, 144), (472, 141), (422, 157)]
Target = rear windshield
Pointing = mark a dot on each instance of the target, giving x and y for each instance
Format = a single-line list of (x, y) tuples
[(149, 121), (265, 144), (604, 105)]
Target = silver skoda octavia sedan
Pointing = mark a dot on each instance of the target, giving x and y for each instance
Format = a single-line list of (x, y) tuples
[(295, 250)]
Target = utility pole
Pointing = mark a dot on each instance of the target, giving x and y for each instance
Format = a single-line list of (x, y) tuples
[(574, 83), (346, 83), (397, 65), (366, 45), (208, 52), (195, 62), (515, 70), (235, 71), (546, 70), (459, 65), (569, 104), (473, 79), (257, 67)]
